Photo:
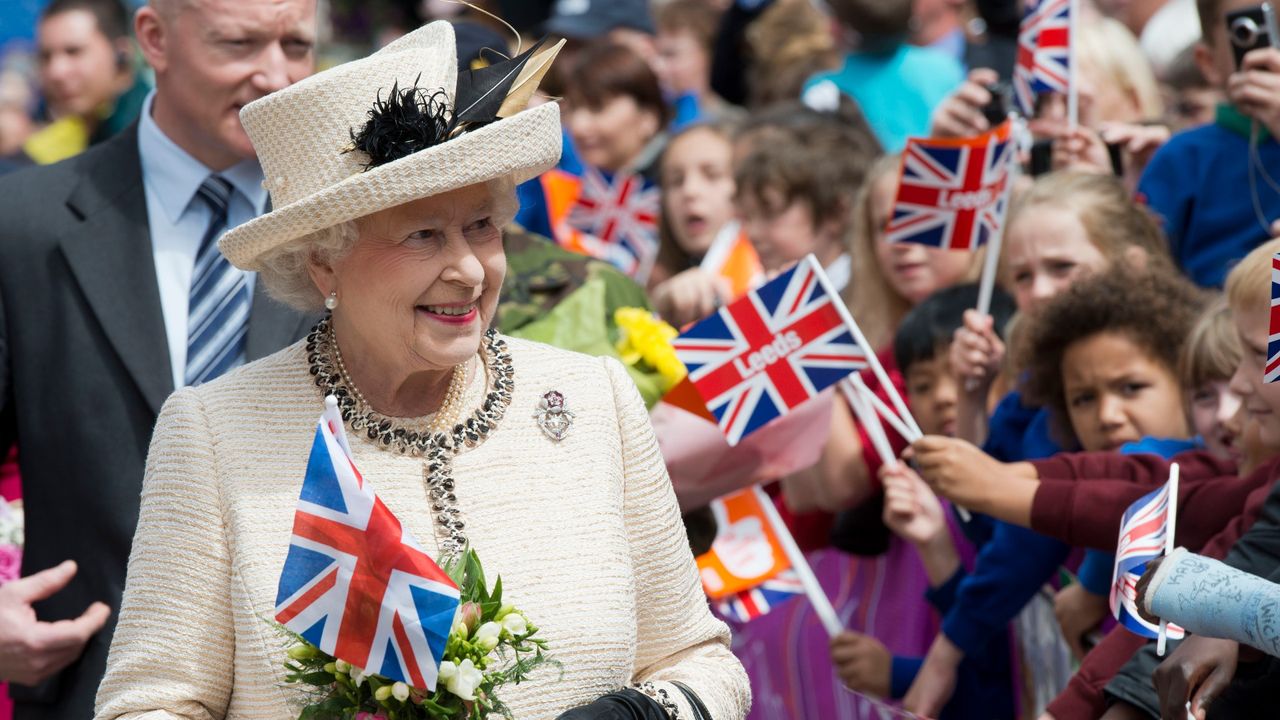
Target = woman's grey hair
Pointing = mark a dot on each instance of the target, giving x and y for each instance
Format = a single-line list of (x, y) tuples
[(285, 271)]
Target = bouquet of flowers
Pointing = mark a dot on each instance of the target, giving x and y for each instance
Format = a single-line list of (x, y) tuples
[(490, 645)]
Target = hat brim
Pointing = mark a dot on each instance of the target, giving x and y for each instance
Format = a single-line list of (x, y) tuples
[(524, 146)]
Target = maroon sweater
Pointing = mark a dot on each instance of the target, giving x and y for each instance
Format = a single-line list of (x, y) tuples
[(1080, 501)]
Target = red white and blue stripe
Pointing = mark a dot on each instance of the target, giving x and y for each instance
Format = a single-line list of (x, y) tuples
[(769, 351), (619, 218), (953, 193), (1043, 63), (1142, 539), (1272, 372), (759, 600), (355, 584)]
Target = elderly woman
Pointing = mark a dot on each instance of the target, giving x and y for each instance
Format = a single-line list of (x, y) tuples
[(389, 217)]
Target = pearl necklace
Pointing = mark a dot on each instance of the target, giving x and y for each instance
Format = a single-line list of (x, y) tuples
[(436, 447)]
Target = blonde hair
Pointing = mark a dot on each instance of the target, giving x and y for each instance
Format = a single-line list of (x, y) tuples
[(876, 306), (1213, 350), (1116, 53), (1113, 222), (1249, 282)]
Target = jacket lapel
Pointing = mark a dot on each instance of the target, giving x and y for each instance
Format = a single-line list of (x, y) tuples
[(108, 248)]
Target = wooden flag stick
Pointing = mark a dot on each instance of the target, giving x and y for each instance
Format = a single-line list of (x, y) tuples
[(884, 412), (872, 361), (812, 590), (1171, 523), (868, 418)]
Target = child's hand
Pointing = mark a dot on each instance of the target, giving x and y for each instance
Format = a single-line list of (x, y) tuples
[(911, 510), (935, 683), (863, 663), (976, 353), (690, 295), (1255, 89), (960, 115), (1079, 612)]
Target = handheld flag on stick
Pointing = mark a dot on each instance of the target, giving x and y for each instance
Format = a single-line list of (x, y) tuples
[(952, 192), (356, 584), (1146, 531), (1272, 371), (733, 258), (616, 219), (754, 563), (1045, 62), (770, 350)]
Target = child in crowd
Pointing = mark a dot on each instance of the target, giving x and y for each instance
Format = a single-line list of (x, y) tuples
[(896, 84), (686, 32), (1190, 99), (1049, 496), (704, 259), (914, 514), (1215, 195), (1102, 358), (1210, 357), (1066, 227)]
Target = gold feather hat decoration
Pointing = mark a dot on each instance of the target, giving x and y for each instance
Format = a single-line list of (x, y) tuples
[(396, 126)]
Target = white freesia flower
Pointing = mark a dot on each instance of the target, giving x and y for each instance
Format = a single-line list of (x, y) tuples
[(357, 675), (447, 670), (342, 666), (400, 691), (515, 624), (464, 680), (487, 636)]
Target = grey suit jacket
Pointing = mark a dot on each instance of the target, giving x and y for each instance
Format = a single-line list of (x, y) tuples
[(84, 369)]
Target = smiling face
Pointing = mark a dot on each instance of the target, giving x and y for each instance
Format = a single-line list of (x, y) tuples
[(1047, 249), (1116, 393), (1214, 407), (421, 284), (213, 57), (610, 136), (914, 271), (1261, 399), (697, 188)]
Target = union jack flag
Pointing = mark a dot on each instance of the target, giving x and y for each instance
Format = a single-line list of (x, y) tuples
[(759, 600), (770, 350), (1273, 340), (355, 584), (1044, 52), (952, 193), (618, 218), (1142, 539)]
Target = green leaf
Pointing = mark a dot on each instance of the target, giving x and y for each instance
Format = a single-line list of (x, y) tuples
[(496, 595), (317, 678)]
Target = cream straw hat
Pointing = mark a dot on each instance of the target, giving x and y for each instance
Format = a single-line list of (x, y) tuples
[(303, 137)]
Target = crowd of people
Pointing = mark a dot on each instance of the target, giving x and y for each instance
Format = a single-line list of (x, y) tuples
[(1128, 330)]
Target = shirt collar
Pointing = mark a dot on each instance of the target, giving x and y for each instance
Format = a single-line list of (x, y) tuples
[(1229, 117), (175, 176)]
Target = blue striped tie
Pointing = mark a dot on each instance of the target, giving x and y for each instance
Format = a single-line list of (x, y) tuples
[(218, 308)]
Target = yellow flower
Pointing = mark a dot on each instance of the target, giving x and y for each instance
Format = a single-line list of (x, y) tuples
[(646, 337)]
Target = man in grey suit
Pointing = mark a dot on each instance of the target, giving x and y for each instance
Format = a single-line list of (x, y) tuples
[(112, 293)]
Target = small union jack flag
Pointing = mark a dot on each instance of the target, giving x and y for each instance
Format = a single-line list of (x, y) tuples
[(618, 218), (770, 350), (1143, 529), (759, 600), (1043, 62), (952, 193), (355, 584), (1273, 340)]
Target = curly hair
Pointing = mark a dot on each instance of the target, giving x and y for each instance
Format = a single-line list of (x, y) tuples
[(1154, 310)]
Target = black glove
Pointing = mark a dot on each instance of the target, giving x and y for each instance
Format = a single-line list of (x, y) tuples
[(624, 704)]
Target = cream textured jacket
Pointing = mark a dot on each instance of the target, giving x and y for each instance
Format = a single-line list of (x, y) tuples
[(585, 533)]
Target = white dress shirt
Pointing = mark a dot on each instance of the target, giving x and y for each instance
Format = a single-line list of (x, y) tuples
[(178, 221)]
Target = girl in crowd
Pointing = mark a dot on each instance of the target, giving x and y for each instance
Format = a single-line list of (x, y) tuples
[(1065, 227), (704, 259)]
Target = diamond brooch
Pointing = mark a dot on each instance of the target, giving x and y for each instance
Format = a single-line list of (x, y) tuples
[(553, 416)]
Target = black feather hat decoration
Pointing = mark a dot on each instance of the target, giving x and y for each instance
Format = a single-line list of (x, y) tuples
[(408, 120), (413, 119)]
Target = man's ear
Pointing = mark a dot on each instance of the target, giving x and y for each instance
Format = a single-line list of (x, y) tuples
[(152, 31), (1203, 55)]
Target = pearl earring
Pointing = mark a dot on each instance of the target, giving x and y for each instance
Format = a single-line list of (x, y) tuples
[(331, 302)]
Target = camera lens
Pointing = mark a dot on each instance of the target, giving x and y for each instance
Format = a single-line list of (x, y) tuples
[(1244, 32)]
